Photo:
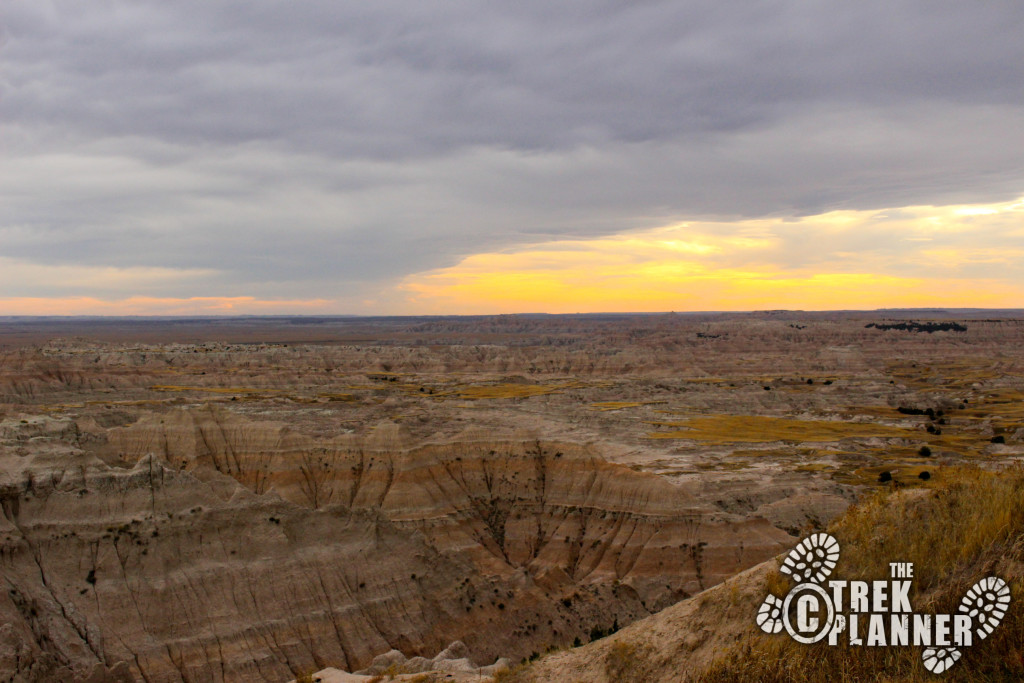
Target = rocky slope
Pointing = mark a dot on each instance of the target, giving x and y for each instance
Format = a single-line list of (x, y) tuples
[(964, 534), (229, 550), (675, 645)]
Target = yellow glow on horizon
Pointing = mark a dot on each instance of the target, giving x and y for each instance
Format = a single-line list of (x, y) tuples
[(743, 266), (653, 288)]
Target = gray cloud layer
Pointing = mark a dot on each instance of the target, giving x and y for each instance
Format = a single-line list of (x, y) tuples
[(326, 148)]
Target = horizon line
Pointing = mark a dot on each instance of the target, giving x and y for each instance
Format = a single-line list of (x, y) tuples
[(242, 316)]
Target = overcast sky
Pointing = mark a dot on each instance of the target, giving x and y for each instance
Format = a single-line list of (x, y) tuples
[(332, 156)]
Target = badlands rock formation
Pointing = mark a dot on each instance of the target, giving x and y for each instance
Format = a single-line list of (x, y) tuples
[(555, 510), (230, 550), (191, 510)]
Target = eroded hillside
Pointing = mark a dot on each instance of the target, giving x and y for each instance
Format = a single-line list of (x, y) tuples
[(238, 550)]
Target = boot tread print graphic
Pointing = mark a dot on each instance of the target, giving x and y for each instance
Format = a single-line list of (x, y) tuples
[(813, 560), (986, 603), (769, 615), (939, 659)]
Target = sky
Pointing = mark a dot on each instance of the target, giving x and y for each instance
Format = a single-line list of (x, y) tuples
[(409, 157)]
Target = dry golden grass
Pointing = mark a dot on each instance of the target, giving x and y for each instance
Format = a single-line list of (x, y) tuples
[(510, 675), (946, 375), (1004, 407), (504, 675), (777, 583), (617, 405), (507, 391), (970, 527), (627, 662), (723, 429), (904, 473)]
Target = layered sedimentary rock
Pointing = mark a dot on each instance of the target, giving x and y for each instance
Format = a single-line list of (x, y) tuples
[(208, 547), (187, 579), (557, 510)]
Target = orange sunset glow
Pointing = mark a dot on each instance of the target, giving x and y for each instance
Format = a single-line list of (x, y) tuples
[(741, 266)]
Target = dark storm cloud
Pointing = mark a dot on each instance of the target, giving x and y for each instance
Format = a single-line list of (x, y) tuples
[(296, 147)]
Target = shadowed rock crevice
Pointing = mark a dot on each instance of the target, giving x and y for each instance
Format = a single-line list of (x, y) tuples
[(525, 504)]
